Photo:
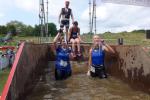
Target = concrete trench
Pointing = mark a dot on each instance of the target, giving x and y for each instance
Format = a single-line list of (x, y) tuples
[(128, 67)]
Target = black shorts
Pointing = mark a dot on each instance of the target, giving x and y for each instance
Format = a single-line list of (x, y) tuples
[(61, 74), (73, 38), (100, 72), (64, 23)]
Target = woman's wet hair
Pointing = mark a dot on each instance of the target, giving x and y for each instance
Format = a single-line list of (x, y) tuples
[(75, 23)]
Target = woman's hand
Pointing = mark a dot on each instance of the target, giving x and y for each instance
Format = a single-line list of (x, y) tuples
[(102, 41), (88, 73)]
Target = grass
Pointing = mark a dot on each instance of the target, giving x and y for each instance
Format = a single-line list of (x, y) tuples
[(130, 38), (3, 78)]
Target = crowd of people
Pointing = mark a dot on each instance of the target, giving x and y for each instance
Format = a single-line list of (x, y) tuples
[(6, 58)]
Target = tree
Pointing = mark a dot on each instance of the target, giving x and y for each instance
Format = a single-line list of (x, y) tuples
[(52, 29), (36, 30), (16, 27), (3, 29), (29, 31), (21, 28), (11, 28)]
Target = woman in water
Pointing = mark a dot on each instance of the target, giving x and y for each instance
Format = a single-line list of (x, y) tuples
[(62, 65), (97, 56)]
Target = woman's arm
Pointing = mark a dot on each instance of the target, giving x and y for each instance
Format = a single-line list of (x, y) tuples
[(90, 59), (56, 39), (108, 48), (72, 16), (89, 62), (69, 33), (59, 16)]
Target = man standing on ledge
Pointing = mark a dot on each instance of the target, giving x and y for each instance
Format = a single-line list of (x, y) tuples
[(64, 18)]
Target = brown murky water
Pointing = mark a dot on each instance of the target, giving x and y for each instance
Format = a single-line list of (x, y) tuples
[(81, 87)]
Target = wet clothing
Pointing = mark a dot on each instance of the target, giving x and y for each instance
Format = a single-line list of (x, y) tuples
[(97, 67), (62, 74), (65, 23), (99, 71), (74, 33), (62, 65), (65, 13), (98, 57)]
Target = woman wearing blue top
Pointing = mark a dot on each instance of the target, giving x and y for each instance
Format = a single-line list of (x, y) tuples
[(97, 56), (62, 65)]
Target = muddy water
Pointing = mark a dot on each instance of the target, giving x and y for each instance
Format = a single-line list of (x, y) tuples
[(81, 87)]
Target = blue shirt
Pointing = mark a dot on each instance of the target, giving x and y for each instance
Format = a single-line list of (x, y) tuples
[(62, 59), (98, 57)]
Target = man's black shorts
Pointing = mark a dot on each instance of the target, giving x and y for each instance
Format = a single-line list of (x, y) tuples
[(64, 23)]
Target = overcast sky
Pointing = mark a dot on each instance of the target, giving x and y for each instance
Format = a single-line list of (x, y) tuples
[(110, 17)]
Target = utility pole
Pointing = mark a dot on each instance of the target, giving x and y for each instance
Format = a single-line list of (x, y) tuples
[(47, 21), (90, 28), (42, 20), (94, 17)]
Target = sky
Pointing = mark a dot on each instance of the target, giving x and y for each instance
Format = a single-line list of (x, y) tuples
[(110, 17)]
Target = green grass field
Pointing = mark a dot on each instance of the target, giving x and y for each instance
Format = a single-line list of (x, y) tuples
[(3, 78), (130, 38), (137, 38)]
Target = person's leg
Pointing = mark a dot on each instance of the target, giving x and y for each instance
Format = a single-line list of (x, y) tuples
[(102, 73), (99, 73), (67, 73), (58, 74), (73, 46), (67, 34), (62, 24), (78, 46), (67, 28), (64, 74), (70, 73), (92, 74)]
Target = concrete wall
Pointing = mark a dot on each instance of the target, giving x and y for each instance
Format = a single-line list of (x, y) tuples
[(33, 59), (132, 65)]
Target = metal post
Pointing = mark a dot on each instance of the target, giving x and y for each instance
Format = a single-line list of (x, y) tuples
[(90, 28), (92, 17), (42, 20), (47, 21), (95, 15)]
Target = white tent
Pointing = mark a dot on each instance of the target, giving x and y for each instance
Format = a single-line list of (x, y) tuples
[(128, 2)]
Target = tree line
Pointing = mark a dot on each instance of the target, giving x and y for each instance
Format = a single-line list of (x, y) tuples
[(20, 29)]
